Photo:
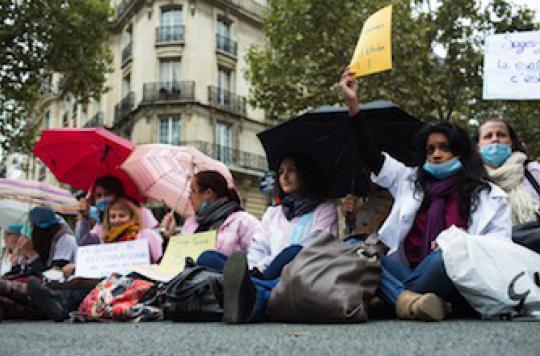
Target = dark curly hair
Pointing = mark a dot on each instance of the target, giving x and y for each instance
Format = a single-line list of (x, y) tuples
[(473, 175)]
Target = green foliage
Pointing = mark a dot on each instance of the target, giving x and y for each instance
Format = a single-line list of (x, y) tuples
[(437, 55), (41, 37)]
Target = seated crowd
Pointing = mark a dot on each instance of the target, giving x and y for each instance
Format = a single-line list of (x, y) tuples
[(482, 185)]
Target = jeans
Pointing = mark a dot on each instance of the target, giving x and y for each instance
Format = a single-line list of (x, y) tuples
[(263, 285), (216, 261), (428, 277)]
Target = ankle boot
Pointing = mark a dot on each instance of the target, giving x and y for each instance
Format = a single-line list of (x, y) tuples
[(427, 307)]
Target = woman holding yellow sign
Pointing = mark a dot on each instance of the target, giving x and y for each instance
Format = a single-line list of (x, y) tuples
[(448, 187)]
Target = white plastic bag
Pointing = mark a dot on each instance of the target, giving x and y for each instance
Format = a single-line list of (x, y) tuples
[(495, 275)]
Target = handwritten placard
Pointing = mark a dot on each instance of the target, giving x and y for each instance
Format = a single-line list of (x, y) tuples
[(512, 66), (373, 51), (174, 259), (98, 261)]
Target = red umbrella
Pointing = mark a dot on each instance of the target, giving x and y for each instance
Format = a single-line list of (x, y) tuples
[(79, 156)]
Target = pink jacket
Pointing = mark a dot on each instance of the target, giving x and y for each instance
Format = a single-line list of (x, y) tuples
[(235, 234), (155, 243), (275, 232)]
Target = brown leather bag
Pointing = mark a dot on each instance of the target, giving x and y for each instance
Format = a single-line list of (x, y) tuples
[(328, 281)]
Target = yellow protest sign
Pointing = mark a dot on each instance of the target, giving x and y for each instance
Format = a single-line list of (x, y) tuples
[(178, 249), (373, 51)]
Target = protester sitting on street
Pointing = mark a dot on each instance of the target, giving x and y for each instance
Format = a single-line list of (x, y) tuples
[(105, 190), (284, 230), (10, 255), (217, 207), (363, 216), (122, 222), (46, 244), (448, 187), (508, 166), (82, 225)]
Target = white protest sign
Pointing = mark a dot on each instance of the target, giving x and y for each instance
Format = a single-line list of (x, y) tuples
[(98, 261), (512, 66)]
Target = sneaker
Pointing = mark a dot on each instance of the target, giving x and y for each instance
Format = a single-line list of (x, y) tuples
[(238, 290), (46, 300)]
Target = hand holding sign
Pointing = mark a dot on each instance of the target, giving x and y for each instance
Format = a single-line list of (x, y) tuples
[(373, 52)]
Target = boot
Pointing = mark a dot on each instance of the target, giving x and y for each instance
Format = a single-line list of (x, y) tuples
[(49, 302), (238, 290), (10, 309), (427, 307)]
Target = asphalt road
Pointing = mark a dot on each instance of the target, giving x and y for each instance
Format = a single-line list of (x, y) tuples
[(374, 338)]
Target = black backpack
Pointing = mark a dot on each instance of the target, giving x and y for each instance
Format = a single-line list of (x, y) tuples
[(196, 294)]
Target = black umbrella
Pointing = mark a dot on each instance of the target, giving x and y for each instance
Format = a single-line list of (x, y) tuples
[(325, 135)]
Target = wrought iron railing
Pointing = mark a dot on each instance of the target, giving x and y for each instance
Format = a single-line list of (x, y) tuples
[(226, 100), (229, 156), (225, 44), (124, 107), (170, 34), (96, 120), (168, 91), (127, 53)]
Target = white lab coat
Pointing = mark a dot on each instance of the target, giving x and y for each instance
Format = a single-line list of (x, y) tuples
[(491, 217)]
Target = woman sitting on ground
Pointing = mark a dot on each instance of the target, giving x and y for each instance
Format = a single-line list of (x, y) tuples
[(217, 207), (285, 229), (105, 190), (10, 256), (448, 187), (507, 165), (45, 244)]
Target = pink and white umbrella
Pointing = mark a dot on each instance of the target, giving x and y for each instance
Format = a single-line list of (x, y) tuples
[(162, 172)]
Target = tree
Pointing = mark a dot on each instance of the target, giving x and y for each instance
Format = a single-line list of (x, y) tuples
[(42, 37), (437, 55)]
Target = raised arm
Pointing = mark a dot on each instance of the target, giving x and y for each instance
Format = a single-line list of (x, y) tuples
[(373, 156)]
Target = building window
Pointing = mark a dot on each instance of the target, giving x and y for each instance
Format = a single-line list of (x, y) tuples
[(224, 85), (47, 121), (126, 85), (171, 28), (42, 172), (169, 74), (224, 28), (223, 142), (223, 37), (65, 119), (169, 130)]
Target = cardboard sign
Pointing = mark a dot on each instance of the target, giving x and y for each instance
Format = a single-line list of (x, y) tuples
[(512, 66), (373, 51), (174, 259), (98, 261)]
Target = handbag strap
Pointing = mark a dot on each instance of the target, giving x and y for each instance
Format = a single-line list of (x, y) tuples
[(531, 179)]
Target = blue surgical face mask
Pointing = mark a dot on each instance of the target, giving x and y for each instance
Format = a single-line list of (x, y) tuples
[(445, 169), (495, 154), (203, 207), (103, 203)]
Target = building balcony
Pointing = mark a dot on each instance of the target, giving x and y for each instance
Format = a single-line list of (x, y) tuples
[(168, 91), (226, 100), (170, 35), (124, 107), (121, 8), (127, 53), (233, 158), (96, 121), (226, 45)]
